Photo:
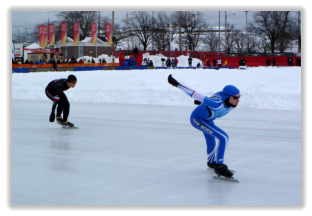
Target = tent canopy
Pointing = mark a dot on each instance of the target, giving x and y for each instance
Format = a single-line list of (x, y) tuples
[(33, 46)]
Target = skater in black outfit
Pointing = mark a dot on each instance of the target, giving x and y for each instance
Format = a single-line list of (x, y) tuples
[(55, 92)]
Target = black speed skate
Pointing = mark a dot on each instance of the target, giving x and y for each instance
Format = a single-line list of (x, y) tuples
[(60, 121), (211, 165), (68, 124), (222, 170)]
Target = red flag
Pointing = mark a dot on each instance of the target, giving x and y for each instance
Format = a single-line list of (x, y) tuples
[(63, 33), (40, 29), (93, 33), (45, 36), (108, 32), (51, 35), (76, 33)]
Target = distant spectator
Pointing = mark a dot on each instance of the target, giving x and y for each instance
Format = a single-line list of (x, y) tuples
[(93, 60), (274, 62), (214, 61), (81, 61), (290, 61), (268, 62), (198, 65), (100, 60), (298, 61), (168, 62), (150, 63), (125, 62), (54, 65), (244, 61), (176, 61), (144, 61), (104, 61), (208, 62), (190, 61), (163, 61), (72, 60), (136, 51), (173, 63), (219, 62)]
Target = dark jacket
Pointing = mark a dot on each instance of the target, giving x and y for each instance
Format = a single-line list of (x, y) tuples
[(56, 87)]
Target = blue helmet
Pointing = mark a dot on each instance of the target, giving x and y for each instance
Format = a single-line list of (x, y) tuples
[(229, 91)]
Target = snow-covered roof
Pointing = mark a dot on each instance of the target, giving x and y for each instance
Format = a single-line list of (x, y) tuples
[(33, 46), (88, 40)]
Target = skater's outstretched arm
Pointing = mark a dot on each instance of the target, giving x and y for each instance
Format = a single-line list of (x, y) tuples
[(199, 98), (190, 92)]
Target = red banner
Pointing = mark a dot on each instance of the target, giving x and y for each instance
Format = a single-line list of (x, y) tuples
[(45, 36), (63, 33), (108, 32), (76, 33), (40, 29), (51, 35), (93, 33)]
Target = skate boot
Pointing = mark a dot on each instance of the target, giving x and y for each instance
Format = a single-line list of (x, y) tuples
[(211, 165), (68, 124), (222, 170), (60, 121)]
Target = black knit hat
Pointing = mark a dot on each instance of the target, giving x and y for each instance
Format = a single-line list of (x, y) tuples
[(71, 78)]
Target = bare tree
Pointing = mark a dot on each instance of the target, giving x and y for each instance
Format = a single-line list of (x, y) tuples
[(193, 25), (239, 40), (230, 38), (212, 40), (162, 35), (287, 30), (141, 24), (275, 25)]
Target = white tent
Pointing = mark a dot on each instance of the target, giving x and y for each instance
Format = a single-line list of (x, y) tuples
[(28, 49), (33, 46)]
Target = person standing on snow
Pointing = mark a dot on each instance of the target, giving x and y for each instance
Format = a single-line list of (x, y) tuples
[(190, 61), (203, 116), (55, 92), (219, 62)]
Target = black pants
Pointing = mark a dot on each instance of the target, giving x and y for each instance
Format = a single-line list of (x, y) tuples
[(62, 105)]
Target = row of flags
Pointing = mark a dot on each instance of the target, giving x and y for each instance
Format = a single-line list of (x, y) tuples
[(50, 29)]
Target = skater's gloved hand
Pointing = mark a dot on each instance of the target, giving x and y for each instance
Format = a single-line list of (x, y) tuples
[(197, 102), (172, 81), (56, 98), (52, 117)]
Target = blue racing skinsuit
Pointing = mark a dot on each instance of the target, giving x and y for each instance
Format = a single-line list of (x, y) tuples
[(203, 116)]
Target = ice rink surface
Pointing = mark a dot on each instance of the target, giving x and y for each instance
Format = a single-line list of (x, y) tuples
[(151, 155)]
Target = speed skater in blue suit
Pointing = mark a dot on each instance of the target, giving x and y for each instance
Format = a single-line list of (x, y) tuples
[(203, 116)]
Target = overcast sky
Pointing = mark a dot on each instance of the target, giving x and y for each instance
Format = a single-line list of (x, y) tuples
[(28, 19)]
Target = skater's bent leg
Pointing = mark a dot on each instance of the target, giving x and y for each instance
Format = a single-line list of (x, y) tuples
[(65, 106), (223, 140), (209, 129), (211, 147)]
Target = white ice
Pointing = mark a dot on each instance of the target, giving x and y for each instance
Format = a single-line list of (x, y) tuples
[(136, 146)]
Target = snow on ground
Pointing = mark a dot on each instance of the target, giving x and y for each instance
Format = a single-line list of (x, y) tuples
[(261, 87)]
